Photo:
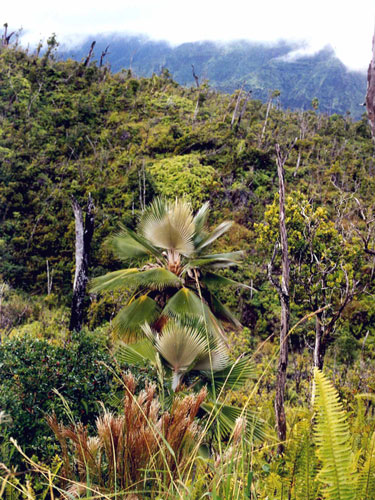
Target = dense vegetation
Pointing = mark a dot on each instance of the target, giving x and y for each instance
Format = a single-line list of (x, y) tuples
[(70, 129)]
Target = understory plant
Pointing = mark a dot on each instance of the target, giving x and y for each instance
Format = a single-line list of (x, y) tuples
[(133, 451)]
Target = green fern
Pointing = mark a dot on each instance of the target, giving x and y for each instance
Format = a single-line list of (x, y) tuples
[(366, 479), (306, 464), (332, 439)]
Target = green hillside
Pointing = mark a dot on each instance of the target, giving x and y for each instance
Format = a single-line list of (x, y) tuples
[(192, 307)]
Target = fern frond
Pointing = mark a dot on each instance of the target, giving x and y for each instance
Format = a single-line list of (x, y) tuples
[(303, 481), (366, 480), (332, 439)]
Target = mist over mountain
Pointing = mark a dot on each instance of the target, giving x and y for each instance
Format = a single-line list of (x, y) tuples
[(258, 67)]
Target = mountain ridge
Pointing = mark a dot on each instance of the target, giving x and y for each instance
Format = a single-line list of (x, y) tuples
[(254, 66)]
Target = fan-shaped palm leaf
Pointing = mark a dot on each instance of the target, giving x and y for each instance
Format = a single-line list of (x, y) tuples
[(225, 417), (179, 345), (214, 235), (112, 281), (233, 376), (200, 221), (169, 226), (129, 319), (139, 353), (223, 312), (156, 278), (186, 304), (125, 247), (213, 361), (215, 281), (143, 242)]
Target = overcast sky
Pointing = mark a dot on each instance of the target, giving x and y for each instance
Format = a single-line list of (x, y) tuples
[(346, 25)]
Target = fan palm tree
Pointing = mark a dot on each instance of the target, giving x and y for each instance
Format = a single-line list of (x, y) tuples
[(177, 276), (175, 309)]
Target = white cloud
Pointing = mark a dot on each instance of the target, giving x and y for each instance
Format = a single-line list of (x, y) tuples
[(346, 26)]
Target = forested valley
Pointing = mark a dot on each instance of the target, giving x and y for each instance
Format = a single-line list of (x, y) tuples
[(223, 344)]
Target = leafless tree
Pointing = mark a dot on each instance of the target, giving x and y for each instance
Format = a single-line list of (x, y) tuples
[(283, 292), (84, 233), (370, 95), (89, 55)]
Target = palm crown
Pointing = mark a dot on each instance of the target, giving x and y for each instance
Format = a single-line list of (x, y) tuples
[(179, 280)]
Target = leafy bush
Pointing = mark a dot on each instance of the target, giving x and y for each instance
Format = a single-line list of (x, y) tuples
[(30, 370), (183, 176)]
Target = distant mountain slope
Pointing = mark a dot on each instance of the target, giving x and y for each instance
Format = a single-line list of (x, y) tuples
[(258, 67)]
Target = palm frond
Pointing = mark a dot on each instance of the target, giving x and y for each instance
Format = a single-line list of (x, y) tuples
[(214, 263), (112, 281), (169, 226), (178, 344), (141, 310), (186, 304), (216, 281), (214, 235), (136, 354), (236, 256), (144, 243), (225, 417), (332, 438), (213, 361), (125, 247), (156, 278), (200, 221), (223, 312), (234, 375)]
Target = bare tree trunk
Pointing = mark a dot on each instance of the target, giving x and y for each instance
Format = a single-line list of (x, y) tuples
[(49, 278), (236, 108), (283, 291), (269, 104), (195, 76), (104, 53), (243, 109), (370, 95), (84, 233), (89, 55), (319, 347)]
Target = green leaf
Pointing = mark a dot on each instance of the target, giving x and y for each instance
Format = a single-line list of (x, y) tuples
[(178, 344), (155, 278), (215, 234), (185, 303), (200, 221), (136, 354), (234, 375), (225, 416), (144, 243), (112, 281), (332, 439), (131, 317), (222, 312), (215, 281), (125, 247), (169, 225)]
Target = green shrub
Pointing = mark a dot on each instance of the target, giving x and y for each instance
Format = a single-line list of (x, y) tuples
[(30, 370), (183, 176)]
